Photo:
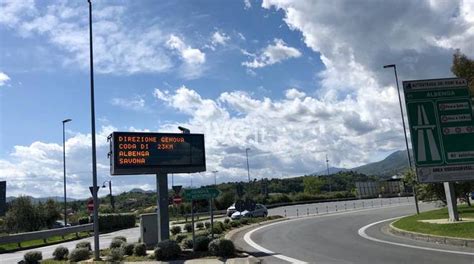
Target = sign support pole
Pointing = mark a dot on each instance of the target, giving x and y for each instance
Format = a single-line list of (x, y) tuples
[(162, 206), (451, 201), (212, 218), (192, 223)]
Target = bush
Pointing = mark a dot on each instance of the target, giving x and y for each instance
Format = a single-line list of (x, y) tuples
[(60, 253), (227, 226), (213, 247), (226, 248), (32, 257), (127, 248), (116, 243), (124, 239), (227, 220), (166, 250), (83, 220), (201, 243), (221, 247), (175, 230), (139, 249), (84, 244), (217, 230), (207, 224), (109, 222), (235, 223), (188, 227), (244, 221), (188, 243), (116, 255), (199, 225), (220, 225), (180, 237), (79, 254)]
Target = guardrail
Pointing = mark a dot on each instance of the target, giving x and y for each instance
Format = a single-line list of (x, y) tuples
[(44, 234)]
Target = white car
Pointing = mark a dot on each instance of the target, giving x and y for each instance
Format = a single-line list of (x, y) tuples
[(260, 211), (231, 210)]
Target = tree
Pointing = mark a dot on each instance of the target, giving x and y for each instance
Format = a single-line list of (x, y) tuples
[(23, 216), (463, 67), (313, 184)]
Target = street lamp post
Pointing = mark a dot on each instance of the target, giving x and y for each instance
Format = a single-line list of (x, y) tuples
[(248, 168), (215, 177), (64, 170), (404, 130), (94, 154), (110, 192)]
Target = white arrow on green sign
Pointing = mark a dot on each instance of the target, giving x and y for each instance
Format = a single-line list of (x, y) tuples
[(201, 193)]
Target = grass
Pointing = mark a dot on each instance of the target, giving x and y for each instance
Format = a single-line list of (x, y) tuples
[(39, 242), (459, 230)]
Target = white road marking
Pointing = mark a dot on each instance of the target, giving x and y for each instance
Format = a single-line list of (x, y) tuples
[(250, 242), (363, 234)]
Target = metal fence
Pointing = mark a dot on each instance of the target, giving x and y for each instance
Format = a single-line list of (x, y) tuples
[(45, 234)]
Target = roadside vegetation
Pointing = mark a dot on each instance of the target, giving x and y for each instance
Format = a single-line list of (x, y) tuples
[(179, 247), (460, 230)]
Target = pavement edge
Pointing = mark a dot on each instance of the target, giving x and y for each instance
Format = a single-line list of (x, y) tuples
[(232, 233), (454, 241)]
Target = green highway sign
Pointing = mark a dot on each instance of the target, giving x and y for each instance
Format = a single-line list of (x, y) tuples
[(201, 193), (440, 117)]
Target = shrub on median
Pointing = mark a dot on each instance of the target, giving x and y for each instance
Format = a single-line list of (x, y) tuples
[(127, 248), (175, 230), (167, 250), (109, 222), (139, 249), (199, 225), (188, 227), (33, 257), (221, 248), (115, 255), (201, 243), (61, 253), (116, 243), (84, 244), (180, 237), (79, 254)]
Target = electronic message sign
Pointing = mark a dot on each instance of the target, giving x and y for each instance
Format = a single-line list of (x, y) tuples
[(152, 153), (441, 122)]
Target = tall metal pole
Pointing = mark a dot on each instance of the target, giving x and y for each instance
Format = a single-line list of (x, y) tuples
[(64, 171), (404, 132), (248, 168), (94, 158), (327, 167), (215, 177)]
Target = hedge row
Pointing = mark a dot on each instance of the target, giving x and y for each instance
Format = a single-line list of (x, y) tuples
[(116, 221)]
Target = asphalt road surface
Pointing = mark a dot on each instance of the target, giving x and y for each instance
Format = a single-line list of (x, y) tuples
[(334, 238)]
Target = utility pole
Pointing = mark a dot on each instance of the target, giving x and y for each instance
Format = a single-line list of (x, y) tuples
[(64, 171), (248, 168), (327, 167), (405, 133), (215, 177), (94, 156)]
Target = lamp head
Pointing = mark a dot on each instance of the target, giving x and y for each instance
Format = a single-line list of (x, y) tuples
[(67, 120), (389, 66)]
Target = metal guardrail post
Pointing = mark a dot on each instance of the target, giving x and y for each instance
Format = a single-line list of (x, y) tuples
[(336, 207), (307, 211), (297, 212)]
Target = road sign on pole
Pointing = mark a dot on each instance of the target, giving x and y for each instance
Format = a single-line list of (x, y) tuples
[(90, 205), (441, 123), (201, 193)]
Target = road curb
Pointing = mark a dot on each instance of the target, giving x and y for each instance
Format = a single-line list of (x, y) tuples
[(453, 241)]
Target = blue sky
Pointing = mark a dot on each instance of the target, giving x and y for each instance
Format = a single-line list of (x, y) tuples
[(292, 80)]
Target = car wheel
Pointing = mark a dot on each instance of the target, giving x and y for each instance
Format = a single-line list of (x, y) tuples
[(265, 214)]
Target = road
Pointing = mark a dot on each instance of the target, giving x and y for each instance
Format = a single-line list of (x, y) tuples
[(334, 238), (132, 235)]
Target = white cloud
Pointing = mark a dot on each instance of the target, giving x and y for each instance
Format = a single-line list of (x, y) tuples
[(4, 78), (294, 93), (193, 58), (136, 103), (119, 48), (219, 38), (273, 53)]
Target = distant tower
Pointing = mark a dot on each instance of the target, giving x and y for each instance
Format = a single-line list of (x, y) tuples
[(327, 167)]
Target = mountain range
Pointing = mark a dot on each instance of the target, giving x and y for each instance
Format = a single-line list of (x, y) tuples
[(393, 164)]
